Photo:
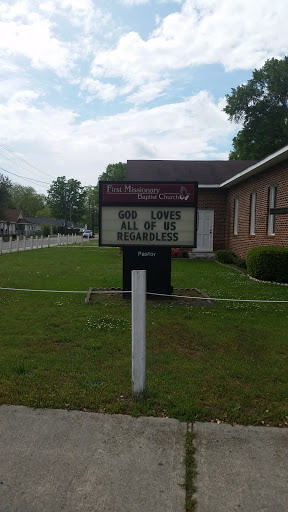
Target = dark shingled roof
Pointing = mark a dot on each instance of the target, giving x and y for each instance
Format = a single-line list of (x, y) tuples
[(11, 215), (211, 172), (46, 220)]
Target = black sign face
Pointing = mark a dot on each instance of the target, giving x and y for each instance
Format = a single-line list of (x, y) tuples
[(157, 214), (157, 263)]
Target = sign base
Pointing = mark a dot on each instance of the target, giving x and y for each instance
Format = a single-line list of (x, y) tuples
[(157, 263)]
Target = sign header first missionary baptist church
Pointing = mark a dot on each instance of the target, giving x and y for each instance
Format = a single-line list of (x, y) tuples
[(147, 213)]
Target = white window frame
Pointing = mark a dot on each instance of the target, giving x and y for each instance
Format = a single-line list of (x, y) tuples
[(272, 204), (253, 199), (236, 215)]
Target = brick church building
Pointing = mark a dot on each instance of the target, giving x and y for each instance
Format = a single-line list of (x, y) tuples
[(241, 204)]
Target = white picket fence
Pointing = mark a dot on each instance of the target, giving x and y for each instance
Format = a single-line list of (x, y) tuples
[(30, 243)]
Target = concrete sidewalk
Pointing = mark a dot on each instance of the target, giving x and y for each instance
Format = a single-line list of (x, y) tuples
[(243, 469), (55, 460)]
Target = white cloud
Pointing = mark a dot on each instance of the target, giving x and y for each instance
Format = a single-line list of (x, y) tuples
[(97, 89), (35, 42), (202, 32), (129, 3), (39, 32), (148, 92), (64, 146), (66, 37)]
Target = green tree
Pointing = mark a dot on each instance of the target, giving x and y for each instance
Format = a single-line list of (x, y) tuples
[(5, 193), (114, 172), (66, 199), (91, 207), (27, 200), (44, 212), (261, 106)]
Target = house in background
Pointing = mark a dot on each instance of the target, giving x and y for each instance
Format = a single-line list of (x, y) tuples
[(13, 223), (241, 204), (57, 225)]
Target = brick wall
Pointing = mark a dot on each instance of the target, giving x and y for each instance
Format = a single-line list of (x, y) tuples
[(215, 200), (243, 241)]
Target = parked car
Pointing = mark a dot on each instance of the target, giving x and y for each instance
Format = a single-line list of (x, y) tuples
[(88, 233)]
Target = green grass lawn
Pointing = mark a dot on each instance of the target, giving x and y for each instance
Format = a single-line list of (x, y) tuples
[(226, 361)]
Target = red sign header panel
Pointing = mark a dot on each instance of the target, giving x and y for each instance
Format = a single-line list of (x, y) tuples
[(148, 193)]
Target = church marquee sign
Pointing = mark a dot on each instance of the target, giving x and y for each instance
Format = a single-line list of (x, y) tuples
[(147, 214)]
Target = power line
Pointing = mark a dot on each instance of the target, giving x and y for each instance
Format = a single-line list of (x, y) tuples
[(23, 160), (24, 178), (18, 165)]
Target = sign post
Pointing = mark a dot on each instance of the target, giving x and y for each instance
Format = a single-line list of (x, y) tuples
[(138, 333)]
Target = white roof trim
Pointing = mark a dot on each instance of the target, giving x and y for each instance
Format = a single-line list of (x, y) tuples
[(208, 186), (267, 162)]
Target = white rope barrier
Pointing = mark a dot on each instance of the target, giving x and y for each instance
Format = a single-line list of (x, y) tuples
[(214, 298), (64, 291), (147, 293)]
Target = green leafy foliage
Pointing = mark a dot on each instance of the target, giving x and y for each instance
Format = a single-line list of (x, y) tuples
[(44, 212), (5, 192), (91, 210), (26, 199), (66, 199), (261, 106), (225, 256), (268, 263), (114, 172), (228, 257), (46, 229)]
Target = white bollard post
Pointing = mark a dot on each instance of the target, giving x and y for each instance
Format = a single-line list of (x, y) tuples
[(31, 242), (0, 245), (17, 243), (138, 280), (58, 239), (48, 241), (10, 244), (41, 241), (24, 243)]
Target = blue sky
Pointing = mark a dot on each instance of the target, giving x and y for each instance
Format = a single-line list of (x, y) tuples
[(85, 83)]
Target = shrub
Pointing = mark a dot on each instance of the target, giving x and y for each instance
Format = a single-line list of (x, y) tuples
[(240, 262), (6, 238), (46, 229), (225, 256), (268, 263)]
